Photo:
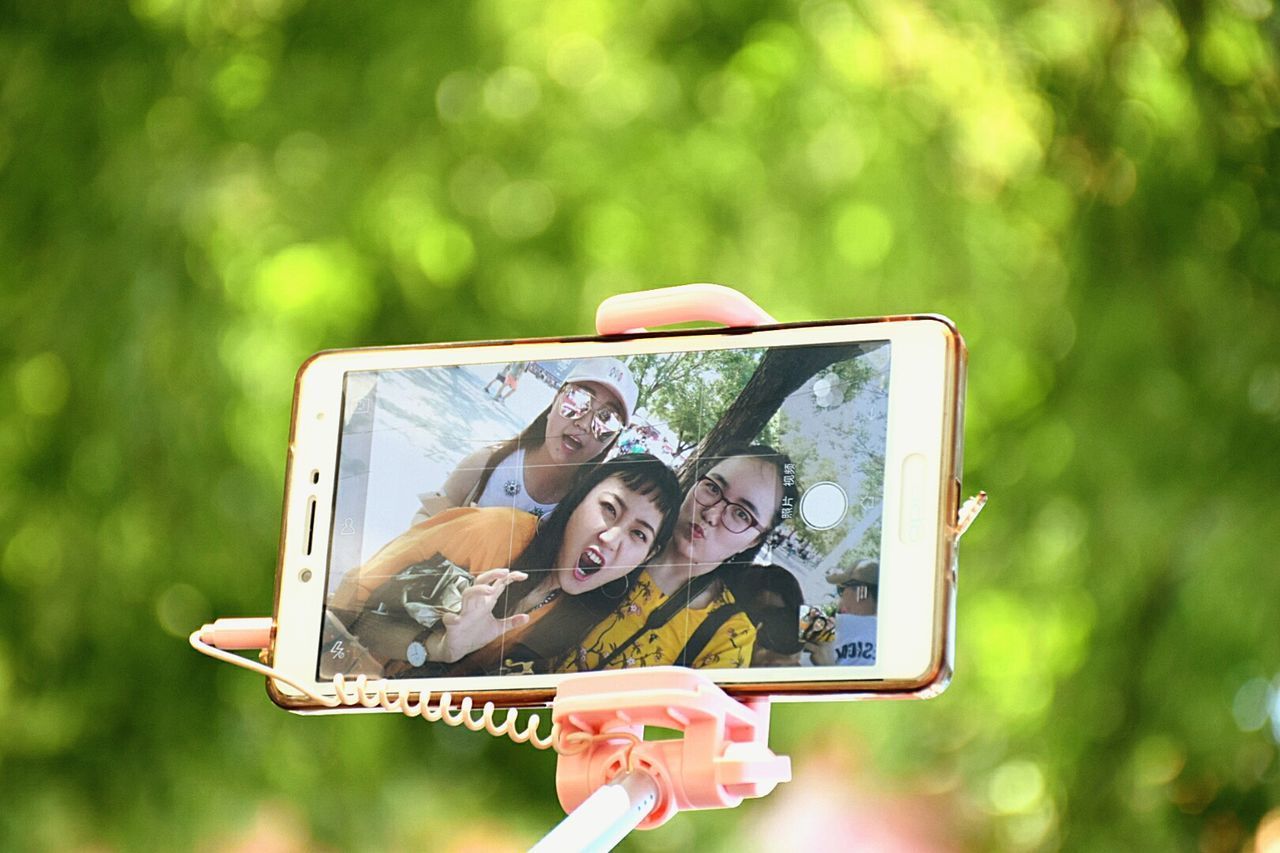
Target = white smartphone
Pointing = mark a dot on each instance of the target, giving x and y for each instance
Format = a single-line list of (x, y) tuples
[(773, 505)]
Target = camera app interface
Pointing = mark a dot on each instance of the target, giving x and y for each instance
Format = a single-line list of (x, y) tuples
[(708, 509)]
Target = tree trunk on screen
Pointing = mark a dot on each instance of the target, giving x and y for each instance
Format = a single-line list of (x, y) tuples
[(779, 373)]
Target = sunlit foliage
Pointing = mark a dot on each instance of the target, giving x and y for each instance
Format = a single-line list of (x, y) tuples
[(197, 194)]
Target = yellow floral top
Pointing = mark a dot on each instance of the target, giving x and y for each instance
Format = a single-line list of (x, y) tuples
[(729, 647)]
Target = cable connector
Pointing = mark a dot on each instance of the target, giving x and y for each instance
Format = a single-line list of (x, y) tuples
[(238, 633)]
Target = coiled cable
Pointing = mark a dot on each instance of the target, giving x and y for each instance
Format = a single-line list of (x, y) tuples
[(361, 692)]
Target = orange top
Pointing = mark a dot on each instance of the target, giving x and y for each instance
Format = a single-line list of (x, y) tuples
[(475, 538)]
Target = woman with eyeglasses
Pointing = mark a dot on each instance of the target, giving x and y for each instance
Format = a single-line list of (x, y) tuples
[(680, 609), (535, 470)]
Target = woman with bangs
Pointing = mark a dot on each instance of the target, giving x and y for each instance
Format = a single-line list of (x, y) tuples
[(534, 588), (681, 610), (534, 471)]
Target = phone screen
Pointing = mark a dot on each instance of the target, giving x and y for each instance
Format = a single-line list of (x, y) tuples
[(716, 508)]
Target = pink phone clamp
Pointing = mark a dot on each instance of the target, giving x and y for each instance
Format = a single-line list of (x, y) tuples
[(722, 758), (635, 312)]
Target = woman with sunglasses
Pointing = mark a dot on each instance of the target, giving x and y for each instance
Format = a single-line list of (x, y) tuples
[(567, 571), (535, 470), (680, 610)]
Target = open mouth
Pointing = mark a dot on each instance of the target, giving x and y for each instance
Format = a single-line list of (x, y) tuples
[(590, 561), (696, 532), (571, 443)]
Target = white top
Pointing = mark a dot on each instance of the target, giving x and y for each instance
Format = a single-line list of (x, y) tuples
[(506, 488), (855, 640)]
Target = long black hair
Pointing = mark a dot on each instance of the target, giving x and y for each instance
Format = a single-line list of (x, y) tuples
[(643, 474), (574, 615), (534, 435)]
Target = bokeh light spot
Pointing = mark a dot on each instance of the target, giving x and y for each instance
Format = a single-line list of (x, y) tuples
[(1264, 390), (242, 82), (521, 209), (456, 96), (1230, 50), (611, 233), (1218, 226), (33, 556), (445, 252), (617, 99), (1016, 787), (863, 235), (43, 384), (154, 10), (1251, 705), (836, 153), (576, 61), (181, 609), (301, 159), (313, 285), (511, 93), (474, 182), (1157, 760), (728, 98), (127, 539)]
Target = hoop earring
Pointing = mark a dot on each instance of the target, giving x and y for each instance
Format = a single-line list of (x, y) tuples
[(626, 589)]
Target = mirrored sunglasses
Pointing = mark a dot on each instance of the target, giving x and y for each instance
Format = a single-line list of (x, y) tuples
[(605, 420)]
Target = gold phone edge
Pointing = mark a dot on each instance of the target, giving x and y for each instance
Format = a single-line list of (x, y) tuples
[(931, 683)]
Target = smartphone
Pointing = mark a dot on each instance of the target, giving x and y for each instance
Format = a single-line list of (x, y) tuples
[(772, 505)]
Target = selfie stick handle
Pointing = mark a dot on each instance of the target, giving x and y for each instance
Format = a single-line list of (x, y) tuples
[(604, 818)]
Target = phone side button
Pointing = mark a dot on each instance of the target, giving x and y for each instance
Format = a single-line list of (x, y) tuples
[(912, 517)]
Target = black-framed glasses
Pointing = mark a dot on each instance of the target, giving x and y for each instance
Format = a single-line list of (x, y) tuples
[(736, 518), (606, 421)]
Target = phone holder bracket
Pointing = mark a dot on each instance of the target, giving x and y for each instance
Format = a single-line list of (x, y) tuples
[(685, 303), (722, 758)]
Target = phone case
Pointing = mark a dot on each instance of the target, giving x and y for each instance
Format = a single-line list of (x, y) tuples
[(932, 680)]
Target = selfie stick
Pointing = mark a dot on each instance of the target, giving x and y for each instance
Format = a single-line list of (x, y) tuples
[(609, 779), (620, 781)]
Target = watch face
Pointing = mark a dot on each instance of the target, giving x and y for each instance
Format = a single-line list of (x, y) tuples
[(416, 654)]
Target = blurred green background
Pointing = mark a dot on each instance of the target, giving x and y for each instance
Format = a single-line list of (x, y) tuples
[(194, 196)]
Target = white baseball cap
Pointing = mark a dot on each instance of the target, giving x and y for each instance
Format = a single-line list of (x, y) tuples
[(612, 374)]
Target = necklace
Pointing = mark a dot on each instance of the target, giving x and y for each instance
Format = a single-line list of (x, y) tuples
[(551, 596)]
